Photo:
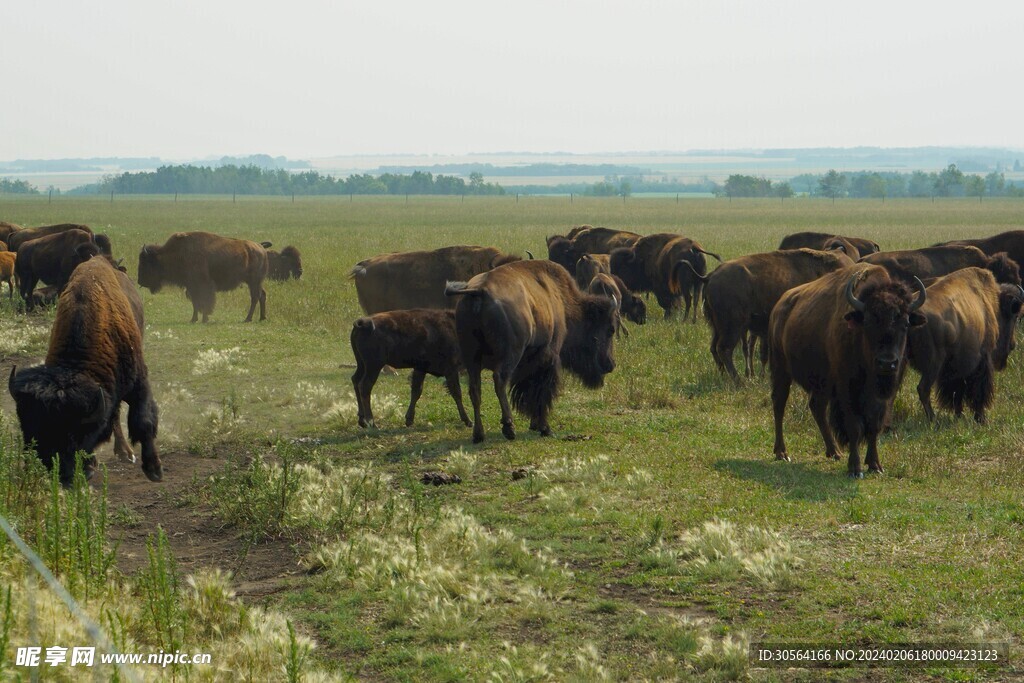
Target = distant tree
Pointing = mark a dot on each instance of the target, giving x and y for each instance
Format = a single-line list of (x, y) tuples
[(8, 186), (738, 185), (868, 185), (995, 184), (603, 189), (950, 182), (783, 190), (921, 184), (974, 186), (476, 179), (625, 187), (832, 184)]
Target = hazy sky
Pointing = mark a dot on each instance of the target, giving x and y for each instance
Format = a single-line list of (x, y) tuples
[(311, 79)]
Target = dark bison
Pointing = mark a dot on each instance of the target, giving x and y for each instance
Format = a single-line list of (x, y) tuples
[(932, 262), (7, 263), (588, 266), (843, 338), (524, 321), (740, 294), (20, 237), (1011, 241), (423, 339), (52, 259), (6, 229), (204, 264), (968, 334), (416, 279), (655, 264), (827, 241), (630, 306), (284, 264), (72, 402), (566, 250)]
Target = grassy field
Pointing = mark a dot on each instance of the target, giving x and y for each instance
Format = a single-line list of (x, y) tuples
[(653, 537)]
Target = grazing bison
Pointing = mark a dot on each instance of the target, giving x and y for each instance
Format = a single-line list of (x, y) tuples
[(52, 259), (568, 249), (631, 306), (1011, 241), (284, 264), (204, 264), (968, 334), (7, 263), (416, 279), (826, 241), (654, 264), (740, 294), (931, 262), (20, 237), (423, 339), (843, 338), (72, 402), (588, 266), (524, 321), (45, 296)]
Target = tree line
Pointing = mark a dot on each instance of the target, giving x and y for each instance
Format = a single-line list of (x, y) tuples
[(8, 186), (253, 180)]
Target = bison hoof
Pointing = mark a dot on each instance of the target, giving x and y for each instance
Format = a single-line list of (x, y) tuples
[(856, 475), (545, 431), (478, 438), (509, 431), (154, 473), (126, 456), (876, 470), (832, 456), (782, 456), (467, 422), (408, 422)]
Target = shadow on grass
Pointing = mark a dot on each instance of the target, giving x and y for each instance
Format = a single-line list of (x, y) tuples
[(796, 481)]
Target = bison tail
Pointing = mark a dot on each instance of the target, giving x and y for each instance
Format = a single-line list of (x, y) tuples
[(358, 270), (266, 245), (709, 253), (453, 288), (976, 391), (364, 323)]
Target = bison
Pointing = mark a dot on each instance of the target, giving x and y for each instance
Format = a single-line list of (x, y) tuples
[(20, 237), (843, 338), (423, 339), (52, 259), (588, 266), (7, 263), (416, 279), (1011, 241), (568, 249), (631, 307), (284, 264), (741, 293), (524, 321), (72, 401), (6, 229), (932, 262), (204, 264), (968, 334), (654, 264), (825, 241)]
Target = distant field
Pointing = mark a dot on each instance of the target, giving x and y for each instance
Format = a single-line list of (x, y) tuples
[(653, 537)]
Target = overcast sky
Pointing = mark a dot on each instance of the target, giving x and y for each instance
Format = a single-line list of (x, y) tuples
[(311, 79)]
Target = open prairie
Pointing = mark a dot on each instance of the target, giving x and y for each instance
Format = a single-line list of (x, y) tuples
[(653, 537)]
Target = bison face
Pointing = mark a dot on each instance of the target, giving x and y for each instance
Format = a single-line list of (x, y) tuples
[(634, 308), (292, 261), (560, 250), (1011, 298), (61, 412), (150, 273), (884, 314), (590, 351), (626, 265)]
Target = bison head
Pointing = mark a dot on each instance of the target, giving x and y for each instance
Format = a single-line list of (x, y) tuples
[(1004, 268), (634, 309), (625, 263), (841, 244), (150, 271), (884, 312), (61, 412), (103, 242), (292, 261), (561, 251), (589, 350), (1011, 298)]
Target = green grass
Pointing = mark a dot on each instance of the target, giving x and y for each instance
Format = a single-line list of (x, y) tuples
[(652, 537)]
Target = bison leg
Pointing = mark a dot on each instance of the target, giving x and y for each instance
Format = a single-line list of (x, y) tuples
[(819, 407), (924, 393), (501, 380), (363, 390), (726, 346), (142, 427), (473, 372), (416, 383), (698, 291), (781, 382), (451, 380), (764, 353), (28, 285), (871, 458), (10, 286), (263, 304), (853, 433), (980, 388), (122, 449), (748, 341)]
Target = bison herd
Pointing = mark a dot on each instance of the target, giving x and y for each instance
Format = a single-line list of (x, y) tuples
[(835, 314)]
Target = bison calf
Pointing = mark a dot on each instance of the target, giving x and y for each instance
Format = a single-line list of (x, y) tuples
[(7, 260), (420, 338), (968, 334), (284, 264), (630, 305)]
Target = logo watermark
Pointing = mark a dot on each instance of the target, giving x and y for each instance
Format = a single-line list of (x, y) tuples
[(87, 656)]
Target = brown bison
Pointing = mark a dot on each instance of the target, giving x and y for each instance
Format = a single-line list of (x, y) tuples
[(3, 246), (524, 321), (204, 264), (740, 294), (72, 402), (7, 262), (1011, 241), (284, 264), (932, 262), (416, 279), (20, 237), (588, 266), (631, 307), (843, 338), (423, 339), (655, 264), (968, 334), (52, 259), (6, 229), (825, 242), (568, 249)]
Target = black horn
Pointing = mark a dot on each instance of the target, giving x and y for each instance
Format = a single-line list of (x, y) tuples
[(856, 303), (921, 294)]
